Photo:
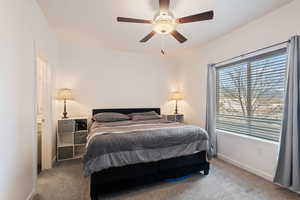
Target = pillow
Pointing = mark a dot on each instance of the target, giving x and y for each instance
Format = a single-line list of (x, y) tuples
[(110, 117), (145, 117), (143, 113)]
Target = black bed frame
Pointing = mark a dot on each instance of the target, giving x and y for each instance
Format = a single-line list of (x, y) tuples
[(119, 178)]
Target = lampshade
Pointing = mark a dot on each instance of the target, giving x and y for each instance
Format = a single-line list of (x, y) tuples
[(64, 94), (176, 96)]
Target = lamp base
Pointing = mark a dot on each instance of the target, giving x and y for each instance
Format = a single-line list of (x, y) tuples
[(176, 108), (65, 115)]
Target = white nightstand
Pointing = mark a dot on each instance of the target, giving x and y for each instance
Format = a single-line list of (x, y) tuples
[(174, 117), (71, 138)]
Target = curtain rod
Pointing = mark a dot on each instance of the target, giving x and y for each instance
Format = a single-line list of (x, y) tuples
[(251, 52)]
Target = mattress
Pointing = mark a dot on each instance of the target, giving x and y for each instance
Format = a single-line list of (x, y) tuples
[(116, 144)]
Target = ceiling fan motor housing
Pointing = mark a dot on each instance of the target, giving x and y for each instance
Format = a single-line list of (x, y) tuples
[(164, 22)]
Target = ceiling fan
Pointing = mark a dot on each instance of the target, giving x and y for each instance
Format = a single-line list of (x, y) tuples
[(164, 22)]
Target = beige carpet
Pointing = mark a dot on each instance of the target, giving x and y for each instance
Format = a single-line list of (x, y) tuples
[(225, 182)]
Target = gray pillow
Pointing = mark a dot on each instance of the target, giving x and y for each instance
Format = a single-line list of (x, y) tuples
[(110, 117), (143, 113), (145, 117)]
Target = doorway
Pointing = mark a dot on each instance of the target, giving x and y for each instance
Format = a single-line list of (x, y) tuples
[(44, 114)]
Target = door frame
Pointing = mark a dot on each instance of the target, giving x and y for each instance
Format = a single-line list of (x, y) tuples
[(46, 138)]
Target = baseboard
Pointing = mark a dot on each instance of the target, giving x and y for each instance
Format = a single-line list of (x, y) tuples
[(257, 172), (31, 195)]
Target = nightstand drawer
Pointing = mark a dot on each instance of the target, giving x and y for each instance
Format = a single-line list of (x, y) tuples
[(174, 118), (66, 126), (80, 137), (65, 153), (65, 139)]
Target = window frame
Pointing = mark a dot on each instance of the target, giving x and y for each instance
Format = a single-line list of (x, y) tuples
[(253, 58), (248, 60)]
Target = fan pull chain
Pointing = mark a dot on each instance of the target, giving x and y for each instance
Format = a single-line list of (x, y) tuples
[(162, 51)]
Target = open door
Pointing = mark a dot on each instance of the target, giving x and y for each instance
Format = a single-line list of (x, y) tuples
[(44, 114)]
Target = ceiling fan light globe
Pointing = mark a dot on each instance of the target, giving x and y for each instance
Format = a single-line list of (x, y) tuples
[(164, 22), (163, 27)]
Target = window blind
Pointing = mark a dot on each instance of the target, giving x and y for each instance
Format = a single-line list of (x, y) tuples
[(250, 95)]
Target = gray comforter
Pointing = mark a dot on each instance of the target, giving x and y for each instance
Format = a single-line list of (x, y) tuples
[(122, 143)]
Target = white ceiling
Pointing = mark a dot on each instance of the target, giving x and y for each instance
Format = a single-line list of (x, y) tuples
[(94, 21)]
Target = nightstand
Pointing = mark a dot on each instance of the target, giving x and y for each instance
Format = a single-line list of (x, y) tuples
[(174, 117), (71, 138)]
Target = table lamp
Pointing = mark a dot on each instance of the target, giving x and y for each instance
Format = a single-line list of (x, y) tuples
[(65, 94), (176, 96)]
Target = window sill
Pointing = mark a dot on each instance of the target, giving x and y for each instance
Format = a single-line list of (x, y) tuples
[(249, 137)]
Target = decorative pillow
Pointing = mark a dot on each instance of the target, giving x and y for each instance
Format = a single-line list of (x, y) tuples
[(110, 117), (145, 117), (143, 113)]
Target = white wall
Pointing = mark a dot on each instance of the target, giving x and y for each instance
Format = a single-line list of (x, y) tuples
[(274, 27), (23, 31), (104, 78)]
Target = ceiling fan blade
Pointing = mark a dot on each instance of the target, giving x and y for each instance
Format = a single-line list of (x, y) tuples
[(195, 18), (132, 20), (164, 4), (148, 37), (178, 36)]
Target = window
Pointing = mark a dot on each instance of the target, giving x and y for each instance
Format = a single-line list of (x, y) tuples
[(250, 95)]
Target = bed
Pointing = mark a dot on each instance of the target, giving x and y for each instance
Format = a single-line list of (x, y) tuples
[(126, 154)]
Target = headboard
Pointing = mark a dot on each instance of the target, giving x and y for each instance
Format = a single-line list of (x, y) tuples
[(125, 111)]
